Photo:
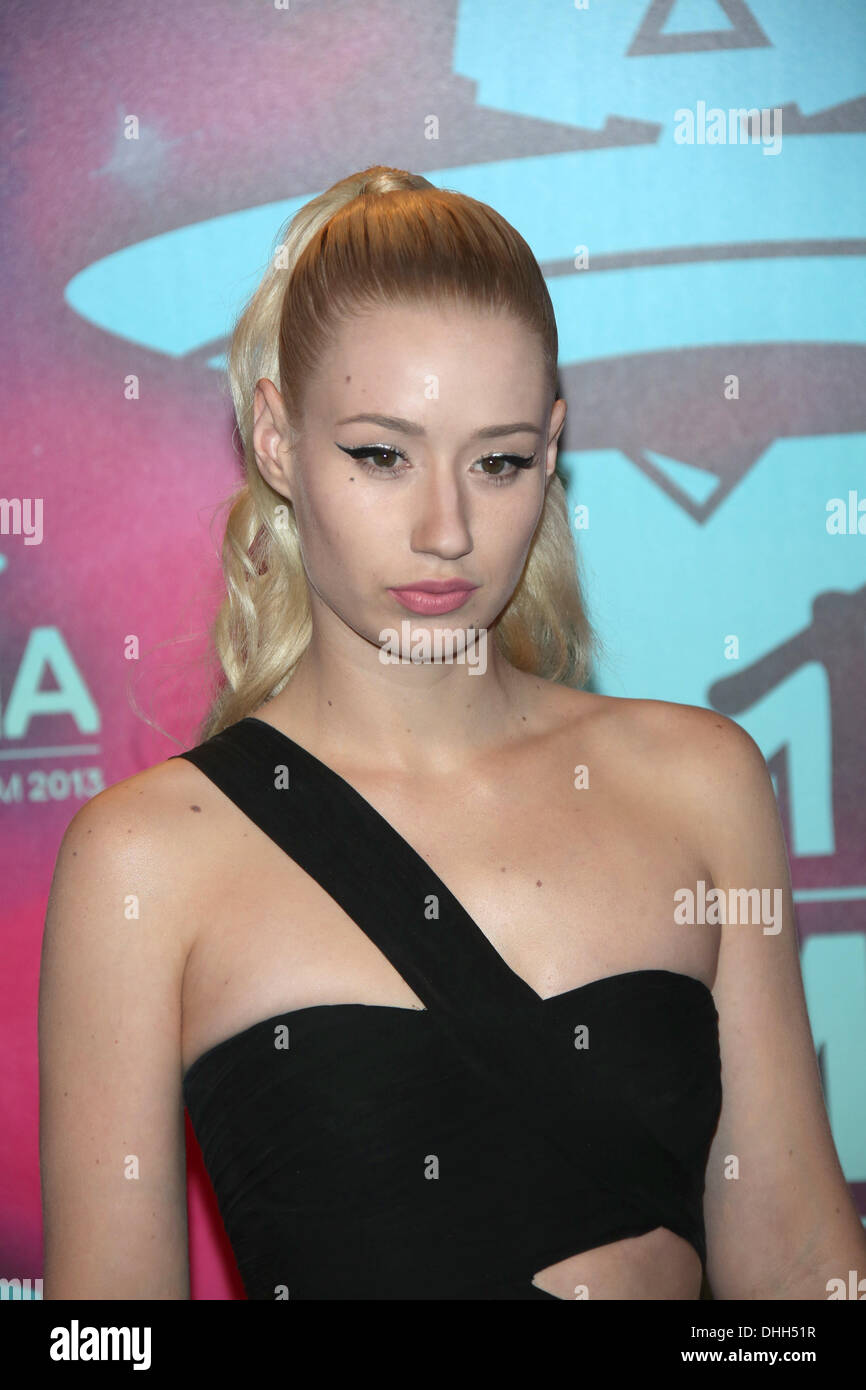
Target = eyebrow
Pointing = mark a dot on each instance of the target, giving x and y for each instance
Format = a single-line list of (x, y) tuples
[(394, 422)]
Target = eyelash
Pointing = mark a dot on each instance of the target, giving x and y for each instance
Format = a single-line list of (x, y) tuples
[(363, 452)]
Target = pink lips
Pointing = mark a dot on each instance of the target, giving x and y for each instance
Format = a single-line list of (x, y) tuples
[(434, 595)]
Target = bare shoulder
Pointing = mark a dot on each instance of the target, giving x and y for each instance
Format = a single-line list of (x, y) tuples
[(713, 769), (684, 741), (143, 830), (155, 792), (701, 766), (664, 724)]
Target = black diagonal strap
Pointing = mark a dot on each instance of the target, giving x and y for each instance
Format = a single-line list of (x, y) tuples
[(496, 1019)]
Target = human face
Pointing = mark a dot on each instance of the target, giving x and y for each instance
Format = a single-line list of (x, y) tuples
[(432, 489)]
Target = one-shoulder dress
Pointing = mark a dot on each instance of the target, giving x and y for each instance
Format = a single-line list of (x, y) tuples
[(365, 1151)]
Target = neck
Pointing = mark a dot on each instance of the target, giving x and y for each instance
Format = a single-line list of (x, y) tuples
[(403, 716)]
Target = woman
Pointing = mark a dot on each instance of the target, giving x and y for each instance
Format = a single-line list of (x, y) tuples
[(405, 929)]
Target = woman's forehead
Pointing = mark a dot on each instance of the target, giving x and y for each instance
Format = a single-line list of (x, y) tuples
[(377, 359)]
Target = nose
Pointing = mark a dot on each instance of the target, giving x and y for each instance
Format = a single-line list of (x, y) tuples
[(441, 525)]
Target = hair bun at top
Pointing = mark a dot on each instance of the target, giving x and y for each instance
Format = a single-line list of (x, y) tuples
[(381, 178)]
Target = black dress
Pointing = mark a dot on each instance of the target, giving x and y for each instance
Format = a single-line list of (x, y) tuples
[(373, 1152)]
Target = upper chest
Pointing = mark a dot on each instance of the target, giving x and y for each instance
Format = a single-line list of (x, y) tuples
[(570, 874)]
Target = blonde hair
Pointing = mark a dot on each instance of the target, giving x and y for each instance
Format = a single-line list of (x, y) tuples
[(379, 237)]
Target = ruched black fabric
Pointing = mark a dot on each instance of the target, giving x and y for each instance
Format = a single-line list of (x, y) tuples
[(370, 1152)]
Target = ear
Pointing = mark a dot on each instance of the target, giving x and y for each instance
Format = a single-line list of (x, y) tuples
[(557, 420), (271, 437)]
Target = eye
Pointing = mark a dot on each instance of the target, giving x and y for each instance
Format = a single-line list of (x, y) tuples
[(515, 462), (389, 454)]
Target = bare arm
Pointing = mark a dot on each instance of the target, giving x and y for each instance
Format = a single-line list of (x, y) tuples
[(111, 1111), (787, 1223)]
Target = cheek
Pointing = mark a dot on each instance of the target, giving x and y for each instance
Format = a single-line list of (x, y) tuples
[(512, 541), (508, 528), (338, 538)]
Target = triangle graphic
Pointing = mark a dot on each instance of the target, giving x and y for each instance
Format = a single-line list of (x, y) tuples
[(653, 36), (693, 16), (695, 483)]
